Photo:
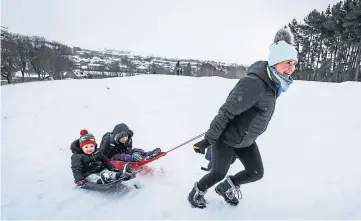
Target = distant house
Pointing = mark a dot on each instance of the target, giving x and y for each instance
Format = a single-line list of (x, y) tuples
[(96, 67), (77, 74), (142, 69)]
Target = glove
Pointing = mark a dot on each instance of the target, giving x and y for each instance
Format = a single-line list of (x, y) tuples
[(80, 182), (201, 146), (137, 156)]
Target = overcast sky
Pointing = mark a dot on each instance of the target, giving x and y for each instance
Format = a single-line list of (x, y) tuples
[(224, 30)]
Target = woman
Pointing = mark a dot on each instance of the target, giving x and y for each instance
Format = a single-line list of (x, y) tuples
[(241, 119)]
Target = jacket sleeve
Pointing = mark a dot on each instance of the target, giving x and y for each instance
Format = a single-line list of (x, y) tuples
[(130, 143), (130, 133), (105, 146), (77, 167), (242, 97), (106, 162), (128, 147)]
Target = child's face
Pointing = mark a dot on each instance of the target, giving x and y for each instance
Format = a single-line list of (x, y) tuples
[(123, 139), (88, 148)]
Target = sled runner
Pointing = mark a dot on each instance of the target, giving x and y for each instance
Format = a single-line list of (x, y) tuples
[(107, 186)]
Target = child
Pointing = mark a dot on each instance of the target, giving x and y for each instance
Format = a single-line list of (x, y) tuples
[(117, 145), (90, 165)]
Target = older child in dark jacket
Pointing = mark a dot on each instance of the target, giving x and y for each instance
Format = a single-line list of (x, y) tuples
[(118, 145), (90, 165)]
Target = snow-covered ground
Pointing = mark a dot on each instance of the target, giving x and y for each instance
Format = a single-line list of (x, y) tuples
[(311, 150)]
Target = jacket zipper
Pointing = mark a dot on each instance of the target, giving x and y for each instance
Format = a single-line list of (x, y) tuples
[(275, 96)]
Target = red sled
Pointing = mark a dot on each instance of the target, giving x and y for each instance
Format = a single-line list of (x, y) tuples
[(119, 165)]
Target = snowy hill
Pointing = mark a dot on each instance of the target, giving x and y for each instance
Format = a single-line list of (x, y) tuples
[(311, 150), (114, 63)]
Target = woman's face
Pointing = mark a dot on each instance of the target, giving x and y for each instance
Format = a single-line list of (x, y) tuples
[(286, 68)]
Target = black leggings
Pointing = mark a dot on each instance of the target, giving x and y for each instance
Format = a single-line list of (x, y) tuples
[(221, 159)]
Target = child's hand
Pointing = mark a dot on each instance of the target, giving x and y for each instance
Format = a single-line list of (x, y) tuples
[(80, 182), (137, 157)]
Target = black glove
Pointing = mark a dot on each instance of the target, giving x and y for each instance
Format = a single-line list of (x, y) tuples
[(201, 146)]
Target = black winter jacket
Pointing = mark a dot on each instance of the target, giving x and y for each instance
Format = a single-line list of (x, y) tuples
[(247, 110), (83, 164), (109, 147)]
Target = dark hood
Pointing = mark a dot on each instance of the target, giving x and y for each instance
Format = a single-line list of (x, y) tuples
[(120, 128), (75, 147), (259, 68)]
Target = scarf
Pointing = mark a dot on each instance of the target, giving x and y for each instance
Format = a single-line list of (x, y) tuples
[(282, 82)]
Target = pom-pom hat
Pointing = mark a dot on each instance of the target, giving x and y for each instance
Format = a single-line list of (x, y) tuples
[(86, 138)]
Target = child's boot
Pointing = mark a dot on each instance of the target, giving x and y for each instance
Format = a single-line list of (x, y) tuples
[(153, 153), (137, 157), (105, 177), (126, 173)]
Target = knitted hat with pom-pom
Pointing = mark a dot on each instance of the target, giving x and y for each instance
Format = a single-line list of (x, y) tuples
[(282, 48), (86, 138)]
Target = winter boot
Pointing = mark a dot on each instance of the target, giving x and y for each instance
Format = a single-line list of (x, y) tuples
[(127, 173), (105, 177), (196, 197), (153, 153), (127, 168), (137, 157), (228, 190)]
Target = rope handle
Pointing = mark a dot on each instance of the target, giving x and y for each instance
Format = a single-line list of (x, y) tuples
[(180, 145)]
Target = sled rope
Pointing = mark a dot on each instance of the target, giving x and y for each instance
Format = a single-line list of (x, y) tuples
[(180, 145)]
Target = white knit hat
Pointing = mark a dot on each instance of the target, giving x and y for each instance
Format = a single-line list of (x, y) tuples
[(282, 48)]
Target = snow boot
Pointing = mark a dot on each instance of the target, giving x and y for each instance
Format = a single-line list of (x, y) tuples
[(228, 190), (137, 157), (196, 197), (127, 168), (127, 173), (153, 153), (105, 177)]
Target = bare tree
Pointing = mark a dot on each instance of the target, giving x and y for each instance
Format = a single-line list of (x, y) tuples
[(58, 60), (38, 56), (8, 49), (23, 47), (114, 67)]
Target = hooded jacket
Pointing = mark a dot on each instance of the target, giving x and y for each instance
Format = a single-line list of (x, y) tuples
[(83, 164), (247, 110), (109, 147)]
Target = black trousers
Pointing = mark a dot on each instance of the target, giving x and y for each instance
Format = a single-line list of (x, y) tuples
[(221, 159)]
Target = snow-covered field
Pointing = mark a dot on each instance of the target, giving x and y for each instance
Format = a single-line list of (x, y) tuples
[(311, 150)]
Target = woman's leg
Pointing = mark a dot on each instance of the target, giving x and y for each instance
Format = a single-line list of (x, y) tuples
[(221, 160), (253, 166)]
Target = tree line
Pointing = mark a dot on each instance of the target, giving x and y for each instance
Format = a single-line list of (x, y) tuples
[(329, 43), (36, 54)]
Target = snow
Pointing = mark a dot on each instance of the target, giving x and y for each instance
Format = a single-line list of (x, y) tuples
[(18, 74), (311, 150), (95, 65), (142, 67)]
